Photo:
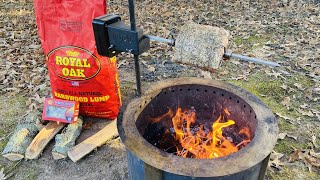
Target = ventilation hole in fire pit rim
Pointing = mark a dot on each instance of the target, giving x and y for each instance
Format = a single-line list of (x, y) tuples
[(230, 97), (165, 92), (222, 94), (198, 89), (238, 101), (180, 89), (244, 106), (205, 90), (214, 92), (255, 117), (189, 89), (172, 90)]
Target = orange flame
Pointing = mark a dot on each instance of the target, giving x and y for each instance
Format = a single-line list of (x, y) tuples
[(197, 142)]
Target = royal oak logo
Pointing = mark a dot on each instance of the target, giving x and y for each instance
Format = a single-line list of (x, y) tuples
[(73, 63)]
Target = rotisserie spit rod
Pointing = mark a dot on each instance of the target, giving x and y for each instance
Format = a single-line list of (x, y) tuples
[(228, 54)]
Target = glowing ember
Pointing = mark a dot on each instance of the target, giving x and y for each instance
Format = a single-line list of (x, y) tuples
[(198, 141)]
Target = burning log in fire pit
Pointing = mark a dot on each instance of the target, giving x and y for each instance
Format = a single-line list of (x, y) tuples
[(191, 128)]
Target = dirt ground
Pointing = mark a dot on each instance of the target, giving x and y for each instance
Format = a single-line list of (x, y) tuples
[(287, 32)]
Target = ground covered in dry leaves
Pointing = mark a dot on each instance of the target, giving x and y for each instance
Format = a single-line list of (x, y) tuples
[(287, 32)]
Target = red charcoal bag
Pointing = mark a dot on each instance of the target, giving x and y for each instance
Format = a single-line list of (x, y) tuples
[(77, 71)]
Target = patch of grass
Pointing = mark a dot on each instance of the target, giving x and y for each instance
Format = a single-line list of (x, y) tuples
[(253, 40), (10, 115), (304, 80), (269, 91), (26, 172), (293, 173), (284, 174), (286, 146), (14, 107), (4, 140), (285, 126), (127, 88)]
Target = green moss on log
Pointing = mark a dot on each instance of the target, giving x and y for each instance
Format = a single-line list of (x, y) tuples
[(20, 140), (66, 140)]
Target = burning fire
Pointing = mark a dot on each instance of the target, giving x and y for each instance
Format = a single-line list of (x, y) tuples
[(198, 141)]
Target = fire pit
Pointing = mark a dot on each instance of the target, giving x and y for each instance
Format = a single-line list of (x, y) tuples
[(223, 132)]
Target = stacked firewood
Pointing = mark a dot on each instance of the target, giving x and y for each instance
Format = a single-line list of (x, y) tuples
[(30, 138)]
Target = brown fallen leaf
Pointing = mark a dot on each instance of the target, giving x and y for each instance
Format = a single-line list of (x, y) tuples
[(275, 155), (282, 135), (206, 74), (289, 119), (299, 86), (306, 113), (313, 161), (309, 158), (310, 161), (314, 142), (314, 154), (2, 174), (294, 156), (292, 137), (286, 102), (35, 46), (304, 106), (275, 162), (275, 74), (283, 86)]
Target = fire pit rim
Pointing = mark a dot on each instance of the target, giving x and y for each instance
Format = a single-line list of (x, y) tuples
[(255, 152)]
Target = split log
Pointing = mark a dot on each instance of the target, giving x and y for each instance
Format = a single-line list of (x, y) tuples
[(42, 139), (201, 45), (97, 140), (22, 136), (66, 140)]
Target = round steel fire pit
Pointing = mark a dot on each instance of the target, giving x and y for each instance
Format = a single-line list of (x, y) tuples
[(145, 161)]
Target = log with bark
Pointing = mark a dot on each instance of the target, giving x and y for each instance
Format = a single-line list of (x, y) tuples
[(67, 139), (22, 136)]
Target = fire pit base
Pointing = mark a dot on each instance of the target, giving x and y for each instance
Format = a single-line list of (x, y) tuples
[(148, 162), (139, 170)]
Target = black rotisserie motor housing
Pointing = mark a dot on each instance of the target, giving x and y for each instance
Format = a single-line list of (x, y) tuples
[(114, 36)]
